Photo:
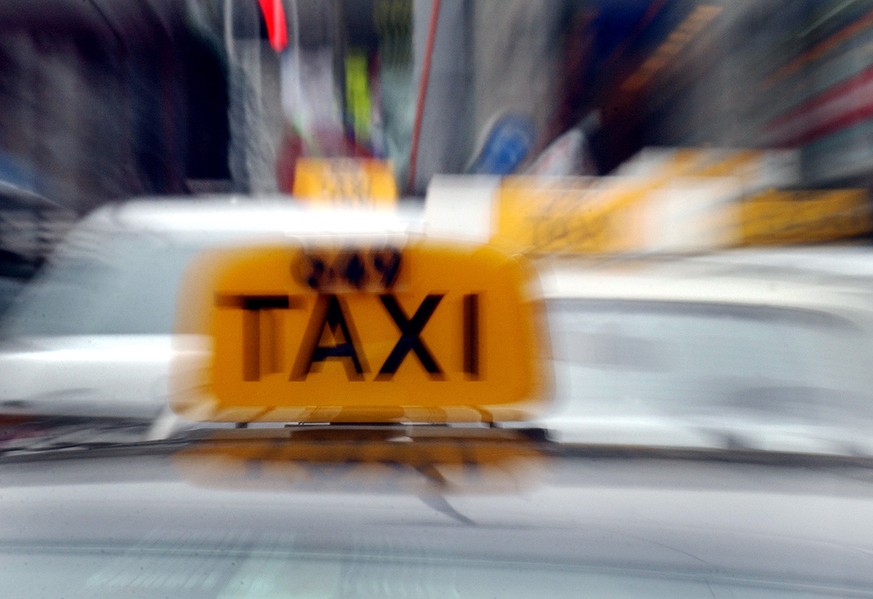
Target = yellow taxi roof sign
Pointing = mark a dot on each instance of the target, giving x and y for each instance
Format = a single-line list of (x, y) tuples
[(367, 332), (355, 182)]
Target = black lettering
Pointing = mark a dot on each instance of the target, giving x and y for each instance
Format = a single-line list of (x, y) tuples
[(387, 263), (410, 329), (471, 335), (329, 314), (317, 271), (353, 270), (253, 307)]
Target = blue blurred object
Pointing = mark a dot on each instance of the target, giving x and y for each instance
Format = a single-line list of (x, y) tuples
[(507, 142)]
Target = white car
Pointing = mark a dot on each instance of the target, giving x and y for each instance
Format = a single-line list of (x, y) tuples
[(92, 336), (738, 349), (680, 351)]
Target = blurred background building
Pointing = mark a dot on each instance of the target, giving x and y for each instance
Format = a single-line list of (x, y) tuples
[(107, 99)]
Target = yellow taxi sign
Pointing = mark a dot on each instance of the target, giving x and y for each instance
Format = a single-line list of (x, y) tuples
[(345, 182), (785, 217), (369, 332)]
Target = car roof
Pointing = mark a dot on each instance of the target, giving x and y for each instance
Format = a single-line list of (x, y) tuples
[(837, 281), (277, 214)]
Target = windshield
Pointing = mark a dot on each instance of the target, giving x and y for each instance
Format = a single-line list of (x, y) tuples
[(682, 358), (123, 286), (743, 374)]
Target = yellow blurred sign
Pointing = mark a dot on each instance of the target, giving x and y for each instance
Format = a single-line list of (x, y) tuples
[(615, 215), (542, 216), (781, 217), (595, 215), (364, 333), (345, 182)]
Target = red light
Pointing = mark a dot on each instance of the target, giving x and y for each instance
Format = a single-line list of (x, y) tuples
[(277, 28)]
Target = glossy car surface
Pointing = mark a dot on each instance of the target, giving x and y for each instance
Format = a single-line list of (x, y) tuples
[(591, 522)]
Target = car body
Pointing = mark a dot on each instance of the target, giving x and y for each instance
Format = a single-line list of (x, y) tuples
[(722, 350), (146, 521), (92, 335)]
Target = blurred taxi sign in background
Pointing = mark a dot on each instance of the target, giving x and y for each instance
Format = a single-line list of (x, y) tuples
[(785, 217), (664, 200), (345, 182), (376, 330)]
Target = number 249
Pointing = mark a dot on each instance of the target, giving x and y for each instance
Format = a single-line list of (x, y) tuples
[(353, 268)]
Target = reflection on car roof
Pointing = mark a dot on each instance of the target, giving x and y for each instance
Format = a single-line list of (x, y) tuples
[(741, 277), (270, 214)]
